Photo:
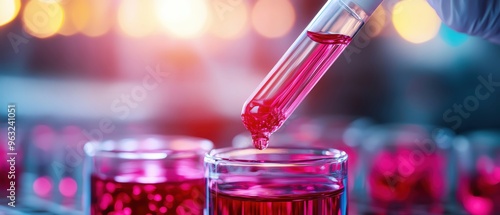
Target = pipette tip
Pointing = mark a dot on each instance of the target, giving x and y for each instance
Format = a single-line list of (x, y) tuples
[(260, 143)]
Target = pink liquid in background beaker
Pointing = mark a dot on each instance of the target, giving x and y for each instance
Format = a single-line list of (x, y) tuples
[(147, 175), (277, 181), (479, 192), (394, 178), (478, 155), (407, 167)]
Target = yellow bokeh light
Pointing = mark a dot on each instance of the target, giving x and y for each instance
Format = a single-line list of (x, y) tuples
[(43, 19), (183, 18), (415, 21), (68, 27), (135, 17), (8, 10), (229, 19), (91, 17), (80, 13), (273, 18)]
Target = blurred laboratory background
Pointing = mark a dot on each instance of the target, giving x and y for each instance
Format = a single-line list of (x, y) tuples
[(80, 70)]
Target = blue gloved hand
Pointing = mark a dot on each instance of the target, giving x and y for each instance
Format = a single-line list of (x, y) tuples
[(475, 17)]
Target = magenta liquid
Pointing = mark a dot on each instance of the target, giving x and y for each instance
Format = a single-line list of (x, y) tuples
[(131, 198), (479, 195), (289, 82), (479, 192), (397, 178), (275, 198)]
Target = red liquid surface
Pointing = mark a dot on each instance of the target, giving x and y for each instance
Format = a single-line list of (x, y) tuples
[(169, 198), (296, 75), (277, 199)]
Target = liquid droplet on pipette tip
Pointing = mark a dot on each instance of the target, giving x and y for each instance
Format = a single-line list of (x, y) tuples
[(260, 143)]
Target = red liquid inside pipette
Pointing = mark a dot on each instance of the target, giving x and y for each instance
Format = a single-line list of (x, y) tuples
[(262, 117)]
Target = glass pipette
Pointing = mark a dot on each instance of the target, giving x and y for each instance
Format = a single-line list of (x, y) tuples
[(301, 67)]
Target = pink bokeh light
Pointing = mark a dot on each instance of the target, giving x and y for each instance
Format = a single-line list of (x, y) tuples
[(478, 205), (42, 186), (68, 187), (43, 137)]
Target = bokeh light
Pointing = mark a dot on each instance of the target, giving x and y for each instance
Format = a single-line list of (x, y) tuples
[(477, 205), (42, 186), (273, 18), (68, 27), (229, 20), (43, 137), (415, 21), (183, 19), (80, 13), (43, 19), (91, 17), (452, 37), (68, 187), (8, 10), (135, 17), (73, 135)]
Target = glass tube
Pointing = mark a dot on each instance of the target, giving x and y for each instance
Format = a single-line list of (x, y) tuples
[(277, 181), (301, 67)]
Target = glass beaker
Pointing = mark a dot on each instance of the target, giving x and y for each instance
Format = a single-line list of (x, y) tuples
[(326, 131), (146, 175), (407, 168), (277, 181)]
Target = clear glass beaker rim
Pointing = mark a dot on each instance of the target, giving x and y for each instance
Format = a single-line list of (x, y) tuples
[(149, 147), (243, 156)]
